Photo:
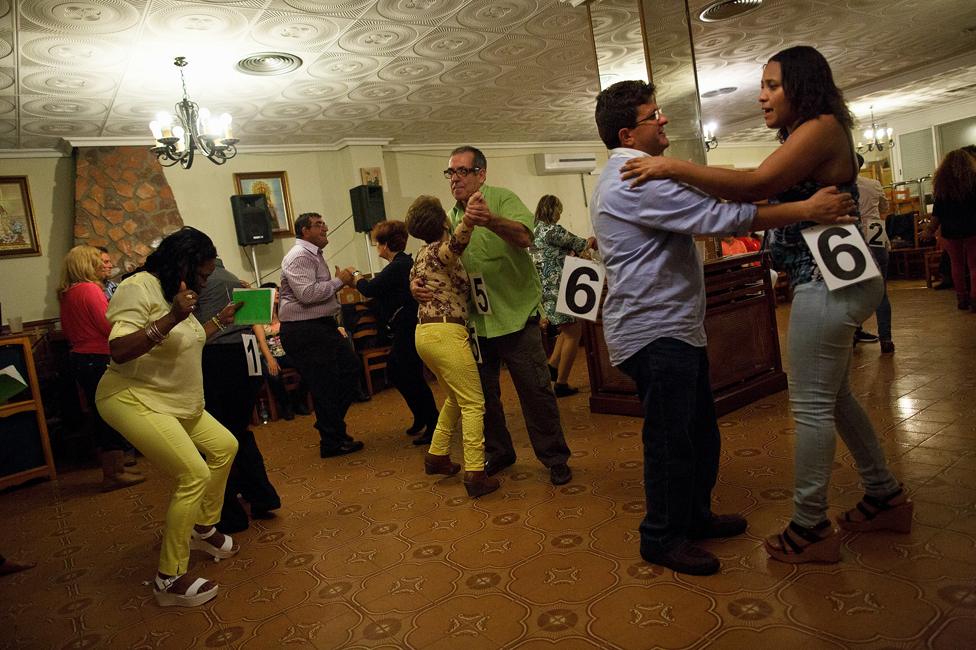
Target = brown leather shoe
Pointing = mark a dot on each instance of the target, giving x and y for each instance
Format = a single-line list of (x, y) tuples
[(434, 464), (479, 484)]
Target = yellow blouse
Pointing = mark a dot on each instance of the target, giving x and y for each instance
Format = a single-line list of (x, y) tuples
[(169, 378)]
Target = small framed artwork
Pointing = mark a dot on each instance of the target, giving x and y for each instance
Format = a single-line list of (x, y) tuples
[(18, 234), (274, 186), (370, 176)]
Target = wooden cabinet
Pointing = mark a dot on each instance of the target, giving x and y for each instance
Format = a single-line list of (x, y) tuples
[(25, 450), (743, 343)]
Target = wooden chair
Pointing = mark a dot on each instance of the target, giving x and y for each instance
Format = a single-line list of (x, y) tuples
[(933, 261), (264, 393), (373, 356)]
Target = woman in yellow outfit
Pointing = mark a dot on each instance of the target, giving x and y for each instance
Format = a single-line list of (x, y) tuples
[(442, 342), (152, 393)]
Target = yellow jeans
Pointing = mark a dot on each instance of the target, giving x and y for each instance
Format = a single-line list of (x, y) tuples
[(174, 446), (444, 348)]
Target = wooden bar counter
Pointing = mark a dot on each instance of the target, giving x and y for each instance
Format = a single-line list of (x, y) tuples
[(743, 343)]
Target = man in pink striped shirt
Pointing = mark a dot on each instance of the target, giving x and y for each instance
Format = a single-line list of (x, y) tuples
[(308, 309)]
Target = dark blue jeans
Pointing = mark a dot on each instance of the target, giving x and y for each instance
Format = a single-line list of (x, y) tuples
[(681, 439), (88, 369)]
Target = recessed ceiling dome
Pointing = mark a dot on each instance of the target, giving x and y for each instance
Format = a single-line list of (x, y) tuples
[(269, 64), (728, 9)]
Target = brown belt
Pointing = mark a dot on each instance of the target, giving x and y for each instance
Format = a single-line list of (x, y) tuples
[(457, 320)]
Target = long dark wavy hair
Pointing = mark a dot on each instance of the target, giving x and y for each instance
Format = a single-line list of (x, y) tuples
[(178, 258), (809, 86), (955, 179)]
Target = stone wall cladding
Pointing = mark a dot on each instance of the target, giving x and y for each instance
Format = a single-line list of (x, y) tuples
[(123, 202)]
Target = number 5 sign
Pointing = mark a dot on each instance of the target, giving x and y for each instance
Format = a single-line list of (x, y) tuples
[(841, 254), (580, 288)]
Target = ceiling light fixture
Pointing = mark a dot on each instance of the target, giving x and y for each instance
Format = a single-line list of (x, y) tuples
[(878, 137), (708, 136), (197, 131), (727, 10)]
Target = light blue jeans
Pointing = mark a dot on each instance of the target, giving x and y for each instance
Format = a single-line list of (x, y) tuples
[(822, 323)]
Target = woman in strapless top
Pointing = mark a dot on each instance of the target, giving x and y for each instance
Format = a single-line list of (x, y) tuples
[(798, 97)]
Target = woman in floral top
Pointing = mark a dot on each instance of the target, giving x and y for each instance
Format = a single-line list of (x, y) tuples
[(552, 244), (442, 341)]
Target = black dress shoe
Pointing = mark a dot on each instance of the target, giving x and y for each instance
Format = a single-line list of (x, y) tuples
[(424, 439), (560, 474), (347, 447), (362, 397), (683, 558), (720, 526), (564, 390), (495, 465), (288, 414), (301, 408), (415, 429)]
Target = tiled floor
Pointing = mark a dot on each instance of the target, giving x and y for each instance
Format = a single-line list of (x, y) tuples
[(369, 552)]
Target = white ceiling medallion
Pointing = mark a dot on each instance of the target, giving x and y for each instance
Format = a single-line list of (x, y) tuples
[(728, 9)]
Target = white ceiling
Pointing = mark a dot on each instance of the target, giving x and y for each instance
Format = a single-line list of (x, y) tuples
[(432, 71)]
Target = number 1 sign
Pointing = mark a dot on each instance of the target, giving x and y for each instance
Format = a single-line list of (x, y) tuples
[(580, 288), (841, 254)]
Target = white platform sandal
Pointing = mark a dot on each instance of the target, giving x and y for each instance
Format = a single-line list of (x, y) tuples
[(198, 543), (192, 597)]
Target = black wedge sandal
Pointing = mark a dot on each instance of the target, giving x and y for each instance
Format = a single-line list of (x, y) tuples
[(798, 544), (893, 512)]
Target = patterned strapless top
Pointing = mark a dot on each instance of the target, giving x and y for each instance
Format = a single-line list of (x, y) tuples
[(788, 248)]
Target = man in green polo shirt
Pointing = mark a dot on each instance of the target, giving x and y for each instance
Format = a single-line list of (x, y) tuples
[(506, 295)]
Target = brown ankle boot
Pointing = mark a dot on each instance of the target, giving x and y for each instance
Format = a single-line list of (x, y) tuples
[(479, 484), (434, 464), (113, 479)]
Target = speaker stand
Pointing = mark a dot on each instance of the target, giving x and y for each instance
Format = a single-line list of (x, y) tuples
[(254, 265), (369, 252)]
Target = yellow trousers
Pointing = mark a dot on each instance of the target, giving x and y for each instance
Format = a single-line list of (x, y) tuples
[(174, 446), (444, 348)]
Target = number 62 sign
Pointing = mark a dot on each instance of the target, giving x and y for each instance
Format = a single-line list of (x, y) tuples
[(841, 254), (580, 288)]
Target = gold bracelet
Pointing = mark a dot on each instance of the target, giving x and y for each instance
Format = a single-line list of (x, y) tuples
[(216, 321), (154, 334)]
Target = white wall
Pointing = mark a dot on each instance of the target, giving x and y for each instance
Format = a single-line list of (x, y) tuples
[(28, 285), (740, 156)]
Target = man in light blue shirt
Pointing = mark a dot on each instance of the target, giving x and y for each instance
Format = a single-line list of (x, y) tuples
[(653, 319)]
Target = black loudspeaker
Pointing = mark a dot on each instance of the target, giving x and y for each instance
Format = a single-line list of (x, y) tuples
[(252, 219), (367, 206)]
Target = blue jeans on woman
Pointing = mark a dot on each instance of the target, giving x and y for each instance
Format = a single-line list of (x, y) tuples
[(681, 440), (822, 324)]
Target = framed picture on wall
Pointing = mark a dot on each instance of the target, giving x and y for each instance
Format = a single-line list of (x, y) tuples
[(18, 234), (370, 175), (274, 186)]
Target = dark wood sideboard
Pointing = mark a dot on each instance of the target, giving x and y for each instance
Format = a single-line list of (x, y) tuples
[(743, 343)]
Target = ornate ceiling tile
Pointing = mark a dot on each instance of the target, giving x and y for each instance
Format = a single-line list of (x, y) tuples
[(470, 74), (62, 128), (64, 82), (332, 66), (291, 110), (297, 32), (60, 51), (82, 17), (498, 15), (315, 90), (381, 93), (63, 108), (192, 22), (510, 50), (406, 70), (455, 44), (378, 39), (416, 11)]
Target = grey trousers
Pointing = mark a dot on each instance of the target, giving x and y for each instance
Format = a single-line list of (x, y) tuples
[(525, 358)]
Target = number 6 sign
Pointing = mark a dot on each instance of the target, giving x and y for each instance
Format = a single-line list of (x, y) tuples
[(841, 254), (580, 288)]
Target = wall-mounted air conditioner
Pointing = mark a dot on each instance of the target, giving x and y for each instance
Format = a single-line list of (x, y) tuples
[(564, 163)]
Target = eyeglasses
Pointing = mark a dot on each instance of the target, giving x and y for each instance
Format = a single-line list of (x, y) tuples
[(460, 171), (655, 116)]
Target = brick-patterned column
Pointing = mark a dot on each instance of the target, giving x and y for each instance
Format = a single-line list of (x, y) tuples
[(123, 202)]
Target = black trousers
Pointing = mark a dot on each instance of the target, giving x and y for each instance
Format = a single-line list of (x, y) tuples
[(330, 369), (681, 439), (526, 361), (407, 373), (88, 369), (230, 393)]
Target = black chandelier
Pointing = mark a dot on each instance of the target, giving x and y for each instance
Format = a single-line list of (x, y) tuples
[(196, 131)]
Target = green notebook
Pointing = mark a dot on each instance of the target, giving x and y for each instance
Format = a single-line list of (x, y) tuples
[(258, 304), (11, 383)]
